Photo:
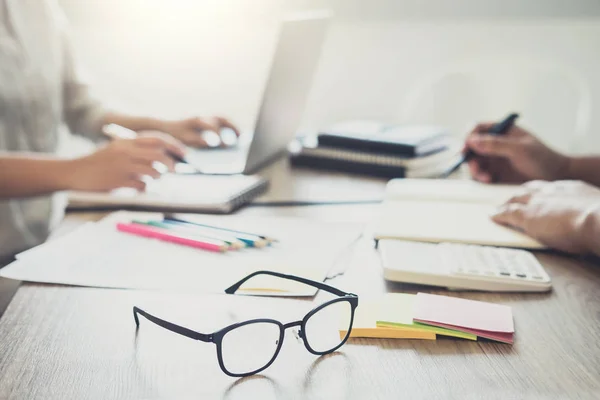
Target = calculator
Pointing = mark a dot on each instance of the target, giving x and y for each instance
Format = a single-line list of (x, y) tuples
[(463, 266)]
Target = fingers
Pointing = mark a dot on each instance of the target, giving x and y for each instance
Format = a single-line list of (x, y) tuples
[(194, 139), (490, 145), (523, 198), (149, 156), (164, 142), (135, 184), (512, 214), (212, 124), (478, 173), (139, 170), (480, 169), (225, 123)]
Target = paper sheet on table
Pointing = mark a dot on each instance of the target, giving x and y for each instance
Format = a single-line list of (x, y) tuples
[(98, 255)]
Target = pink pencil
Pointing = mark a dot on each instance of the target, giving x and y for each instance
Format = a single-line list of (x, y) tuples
[(167, 236)]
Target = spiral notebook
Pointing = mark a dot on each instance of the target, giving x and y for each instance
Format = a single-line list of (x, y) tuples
[(178, 192)]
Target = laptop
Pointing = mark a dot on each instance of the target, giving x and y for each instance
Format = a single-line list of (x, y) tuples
[(283, 103)]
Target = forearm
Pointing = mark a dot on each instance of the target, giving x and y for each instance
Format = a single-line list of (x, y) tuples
[(28, 175), (134, 123), (585, 169)]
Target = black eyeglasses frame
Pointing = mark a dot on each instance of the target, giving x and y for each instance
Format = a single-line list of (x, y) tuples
[(217, 337)]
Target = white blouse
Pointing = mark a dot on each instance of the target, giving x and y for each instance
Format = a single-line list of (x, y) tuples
[(40, 92)]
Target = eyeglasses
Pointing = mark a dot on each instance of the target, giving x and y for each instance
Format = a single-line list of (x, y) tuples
[(249, 347)]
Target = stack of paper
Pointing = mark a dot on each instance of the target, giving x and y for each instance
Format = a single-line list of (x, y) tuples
[(366, 321), (424, 316), (487, 320), (98, 255)]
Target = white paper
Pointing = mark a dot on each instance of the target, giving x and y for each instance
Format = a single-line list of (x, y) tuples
[(97, 255)]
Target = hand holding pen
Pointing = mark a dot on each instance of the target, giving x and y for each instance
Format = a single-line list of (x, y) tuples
[(516, 156)]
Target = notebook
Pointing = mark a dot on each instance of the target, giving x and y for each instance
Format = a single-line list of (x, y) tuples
[(459, 211), (487, 320), (373, 164), (178, 192), (369, 136)]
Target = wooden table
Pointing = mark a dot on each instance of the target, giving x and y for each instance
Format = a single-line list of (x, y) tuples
[(76, 343)]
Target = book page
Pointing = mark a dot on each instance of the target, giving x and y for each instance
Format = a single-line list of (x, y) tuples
[(431, 221), (450, 190)]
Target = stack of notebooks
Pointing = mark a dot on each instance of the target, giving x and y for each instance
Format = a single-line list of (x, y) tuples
[(377, 149), (425, 316)]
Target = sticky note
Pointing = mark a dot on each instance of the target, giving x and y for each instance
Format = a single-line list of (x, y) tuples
[(397, 311), (365, 325), (488, 320)]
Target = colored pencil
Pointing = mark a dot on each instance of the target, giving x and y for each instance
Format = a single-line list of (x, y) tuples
[(167, 236), (250, 239), (229, 239)]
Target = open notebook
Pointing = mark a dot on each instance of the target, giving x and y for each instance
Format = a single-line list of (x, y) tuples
[(432, 210), (178, 192)]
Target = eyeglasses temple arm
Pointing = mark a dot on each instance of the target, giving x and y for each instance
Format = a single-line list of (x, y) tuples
[(232, 289), (170, 326)]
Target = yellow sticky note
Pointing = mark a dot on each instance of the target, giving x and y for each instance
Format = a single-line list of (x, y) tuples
[(396, 312), (365, 325)]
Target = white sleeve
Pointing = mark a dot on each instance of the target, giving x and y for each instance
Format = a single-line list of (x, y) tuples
[(81, 112)]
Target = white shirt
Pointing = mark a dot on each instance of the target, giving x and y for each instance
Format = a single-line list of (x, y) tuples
[(39, 92)]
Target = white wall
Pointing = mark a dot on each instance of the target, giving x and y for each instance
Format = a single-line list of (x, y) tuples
[(179, 57)]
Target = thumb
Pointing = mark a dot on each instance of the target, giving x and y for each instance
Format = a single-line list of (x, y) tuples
[(202, 124), (491, 145)]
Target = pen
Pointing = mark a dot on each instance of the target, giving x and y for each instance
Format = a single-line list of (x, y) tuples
[(500, 128), (166, 236), (120, 132), (250, 239), (233, 242)]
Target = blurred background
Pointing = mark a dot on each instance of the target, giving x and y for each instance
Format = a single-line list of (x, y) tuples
[(448, 62)]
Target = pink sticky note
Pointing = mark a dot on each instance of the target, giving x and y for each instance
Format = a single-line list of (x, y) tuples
[(491, 321)]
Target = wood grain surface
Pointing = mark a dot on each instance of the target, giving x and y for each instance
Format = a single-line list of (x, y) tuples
[(61, 342)]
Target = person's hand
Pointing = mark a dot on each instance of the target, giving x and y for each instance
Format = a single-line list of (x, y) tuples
[(124, 163), (516, 157), (190, 131), (564, 215)]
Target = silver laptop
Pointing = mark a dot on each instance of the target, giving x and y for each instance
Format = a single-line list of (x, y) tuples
[(284, 99)]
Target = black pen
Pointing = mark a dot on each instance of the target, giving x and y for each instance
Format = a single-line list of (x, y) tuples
[(120, 132), (500, 128)]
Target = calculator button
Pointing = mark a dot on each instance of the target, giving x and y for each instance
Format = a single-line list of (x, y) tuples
[(537, 277), (505, 273), (522, 275)]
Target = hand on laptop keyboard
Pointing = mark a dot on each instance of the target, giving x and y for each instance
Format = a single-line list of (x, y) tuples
[(210, 132)]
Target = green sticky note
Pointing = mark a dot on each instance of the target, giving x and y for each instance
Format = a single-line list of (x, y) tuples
[(396, 311)]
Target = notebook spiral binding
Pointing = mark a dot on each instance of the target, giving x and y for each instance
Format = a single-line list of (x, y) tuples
[(247, 195)]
